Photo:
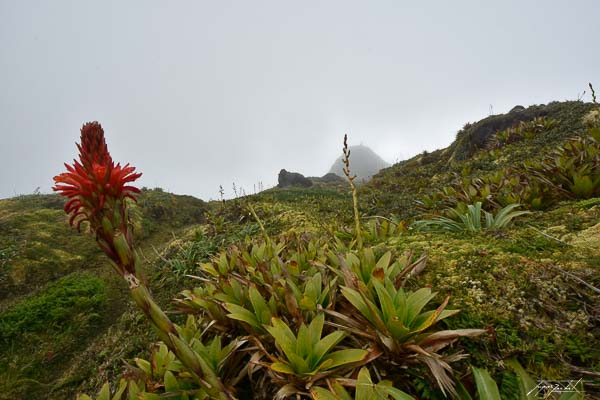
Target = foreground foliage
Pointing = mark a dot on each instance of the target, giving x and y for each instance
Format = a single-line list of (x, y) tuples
[(471, 221), (262, 305)]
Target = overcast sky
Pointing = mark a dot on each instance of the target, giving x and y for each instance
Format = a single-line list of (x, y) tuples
[(196, 93)]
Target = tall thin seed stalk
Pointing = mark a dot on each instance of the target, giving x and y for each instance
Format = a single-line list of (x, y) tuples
[(351, 178)]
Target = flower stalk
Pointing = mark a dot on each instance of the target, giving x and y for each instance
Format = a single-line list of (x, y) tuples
[(351, 178), (97, 189)]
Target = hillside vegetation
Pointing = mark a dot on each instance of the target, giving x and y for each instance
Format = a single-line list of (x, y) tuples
[(58, 297), (279, 294), (481, 149)]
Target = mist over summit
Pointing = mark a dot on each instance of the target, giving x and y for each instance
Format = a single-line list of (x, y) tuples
[(364, 163)]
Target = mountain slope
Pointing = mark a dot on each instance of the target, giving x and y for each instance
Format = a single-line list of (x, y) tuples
[(59, 295), (394, 190)]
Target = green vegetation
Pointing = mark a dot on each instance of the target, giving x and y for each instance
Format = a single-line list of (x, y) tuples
[(57, 297), (279, 297), (75, 299), (71, 307), (471, 169), (471, 221)]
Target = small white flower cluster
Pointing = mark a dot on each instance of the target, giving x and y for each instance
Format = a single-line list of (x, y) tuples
[(592, 118), (576, 319)]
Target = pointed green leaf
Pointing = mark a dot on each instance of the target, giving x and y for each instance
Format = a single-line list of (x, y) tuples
[(299, 365), (423, 323), (119, 393), (294, 288), (144, 366), (526, 383), (419, 320), (324, 345), (400, 305), (387, 306), (282, 368), (357, 301), (575, 395), (346, 356), (461, 392), (319, 393), (241, 314), (214, 352), (316, 328), (397, 329), (368, 263), (303, 343), (171, 383), (132, 390), (415, 303), (340, 391), (364, 385), (325, 293), (312, 288), (383, 391), (384, 261), (486, 387), (284, 336), (104, 393), (261, 309), (307, 303)]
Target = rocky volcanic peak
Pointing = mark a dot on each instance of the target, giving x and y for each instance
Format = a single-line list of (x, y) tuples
[(364, 163)]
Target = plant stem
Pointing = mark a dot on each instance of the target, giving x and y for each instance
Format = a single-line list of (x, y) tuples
[(167, 332)]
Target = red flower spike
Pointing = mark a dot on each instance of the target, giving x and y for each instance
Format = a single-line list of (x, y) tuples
[(93, 149), (90, 182)]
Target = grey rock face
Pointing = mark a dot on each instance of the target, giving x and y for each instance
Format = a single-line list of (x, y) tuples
[(287, 179)]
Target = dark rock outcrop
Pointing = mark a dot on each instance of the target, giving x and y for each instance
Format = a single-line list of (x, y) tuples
[(474, 136), (287, 179)]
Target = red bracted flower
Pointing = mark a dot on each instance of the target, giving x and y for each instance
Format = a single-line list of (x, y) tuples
[(95, 179), (93, 149), (97, 189)]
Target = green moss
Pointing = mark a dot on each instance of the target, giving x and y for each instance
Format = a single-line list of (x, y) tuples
[(68, 302), (509, 284), (41, 254)]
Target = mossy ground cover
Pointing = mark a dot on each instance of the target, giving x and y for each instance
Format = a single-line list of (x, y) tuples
[(61, 308), (37, 246), (522, 285), (49, 323)]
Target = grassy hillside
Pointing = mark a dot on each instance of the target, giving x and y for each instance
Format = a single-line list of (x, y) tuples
[(531, 285), (395, 189), (59, 297)]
